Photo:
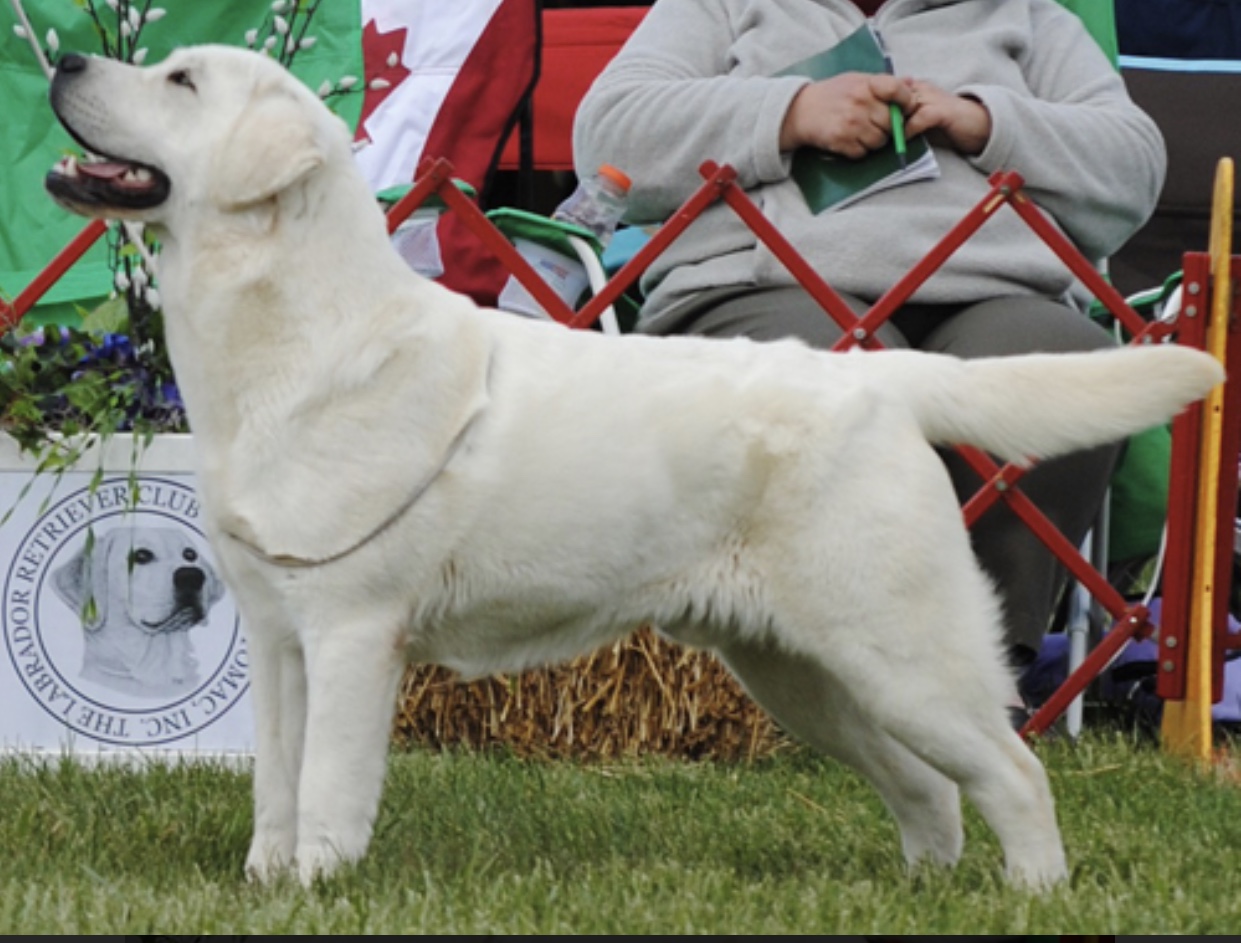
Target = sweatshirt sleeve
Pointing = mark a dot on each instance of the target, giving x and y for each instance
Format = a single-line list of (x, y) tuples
[(669, 101), (1089, 156)]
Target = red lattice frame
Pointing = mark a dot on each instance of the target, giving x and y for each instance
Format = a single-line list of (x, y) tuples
[(999, 483), (12, 312)]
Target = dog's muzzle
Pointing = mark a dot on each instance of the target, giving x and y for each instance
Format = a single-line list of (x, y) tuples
[(100, 181), (189, 608)]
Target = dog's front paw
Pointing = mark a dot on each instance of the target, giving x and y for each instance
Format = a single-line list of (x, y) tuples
[(319, 860), (268, 860), (322, 851), (1039, 877)]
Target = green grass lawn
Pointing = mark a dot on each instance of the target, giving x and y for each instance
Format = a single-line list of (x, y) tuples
[(493, 844)]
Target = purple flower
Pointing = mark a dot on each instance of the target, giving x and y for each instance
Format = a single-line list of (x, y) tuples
[(40, 337)]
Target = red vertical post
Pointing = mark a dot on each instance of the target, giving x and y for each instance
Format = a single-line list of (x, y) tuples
[(1182, 501), (1230, 455)]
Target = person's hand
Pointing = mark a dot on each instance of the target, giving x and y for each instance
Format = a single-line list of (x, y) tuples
[(964, 122), (846, 114)]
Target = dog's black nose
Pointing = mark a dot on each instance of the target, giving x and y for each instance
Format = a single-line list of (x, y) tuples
[(71, 62), (188, 579)]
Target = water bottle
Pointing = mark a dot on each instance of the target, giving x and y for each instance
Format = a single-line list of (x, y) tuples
[(597, 204), (417, 240)]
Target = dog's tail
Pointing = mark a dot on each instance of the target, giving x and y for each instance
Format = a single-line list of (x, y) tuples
[(1040, 405)]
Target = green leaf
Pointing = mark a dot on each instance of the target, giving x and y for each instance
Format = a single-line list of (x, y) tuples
[(111, 317)]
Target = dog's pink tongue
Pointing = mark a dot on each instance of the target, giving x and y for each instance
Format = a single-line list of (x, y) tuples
[(103, 169)]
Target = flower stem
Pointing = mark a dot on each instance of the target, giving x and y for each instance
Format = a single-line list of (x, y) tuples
[(30, 38)]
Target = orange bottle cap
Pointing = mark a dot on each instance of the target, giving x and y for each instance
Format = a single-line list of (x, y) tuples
[(616, 175)]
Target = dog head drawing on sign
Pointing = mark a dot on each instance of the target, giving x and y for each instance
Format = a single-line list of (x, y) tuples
[(138, 591)]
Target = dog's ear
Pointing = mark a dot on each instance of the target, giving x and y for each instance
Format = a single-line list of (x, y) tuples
[(271, 147), (82, 582), (72, 579), (214, 588)]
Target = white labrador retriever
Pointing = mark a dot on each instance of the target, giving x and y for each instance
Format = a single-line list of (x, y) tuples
[(391, 473)]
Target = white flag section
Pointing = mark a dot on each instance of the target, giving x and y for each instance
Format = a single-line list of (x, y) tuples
[(414, 52)]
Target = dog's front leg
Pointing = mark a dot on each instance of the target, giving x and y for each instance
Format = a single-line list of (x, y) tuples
[(353, 671), (278, 690)]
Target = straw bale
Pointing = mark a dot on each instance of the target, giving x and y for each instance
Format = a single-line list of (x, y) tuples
[(641, 696)]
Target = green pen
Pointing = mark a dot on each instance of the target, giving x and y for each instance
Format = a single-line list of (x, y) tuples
[(898, 132), (894, 110)]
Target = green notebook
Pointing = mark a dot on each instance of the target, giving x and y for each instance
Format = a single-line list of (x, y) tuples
[(829, 181)]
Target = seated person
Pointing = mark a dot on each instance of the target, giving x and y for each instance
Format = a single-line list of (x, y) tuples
[(1018, 85)]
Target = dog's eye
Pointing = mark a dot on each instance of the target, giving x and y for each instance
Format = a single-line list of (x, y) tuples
[(190, 556), (181, 77), (139, 557)]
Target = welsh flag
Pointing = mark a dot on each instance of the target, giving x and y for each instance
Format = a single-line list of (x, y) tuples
[(420, 68)]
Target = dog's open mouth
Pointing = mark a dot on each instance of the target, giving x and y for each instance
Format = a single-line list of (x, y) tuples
[(183, 617), (106, 183)]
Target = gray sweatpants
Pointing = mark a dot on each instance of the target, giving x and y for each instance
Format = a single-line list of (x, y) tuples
[(1069, 490)]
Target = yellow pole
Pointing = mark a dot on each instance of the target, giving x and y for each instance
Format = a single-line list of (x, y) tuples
[(1187, 723)]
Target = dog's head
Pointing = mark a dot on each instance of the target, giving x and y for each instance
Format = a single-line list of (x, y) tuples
[(150, 578), (211, 127)]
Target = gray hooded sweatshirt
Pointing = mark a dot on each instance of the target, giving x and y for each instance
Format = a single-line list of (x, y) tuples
[(697, 81)]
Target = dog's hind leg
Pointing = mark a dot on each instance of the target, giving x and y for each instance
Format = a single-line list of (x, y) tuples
[(942, 696), (812, 706), (1004, 779), (278, 692), (353, 670)]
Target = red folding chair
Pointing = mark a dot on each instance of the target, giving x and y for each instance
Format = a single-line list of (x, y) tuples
[(577, 44)]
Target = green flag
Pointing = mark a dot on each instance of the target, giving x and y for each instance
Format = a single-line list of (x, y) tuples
[(32, 228), (1100, 19)]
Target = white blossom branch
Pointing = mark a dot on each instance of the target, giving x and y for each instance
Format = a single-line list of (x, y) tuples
[(27, 31)]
